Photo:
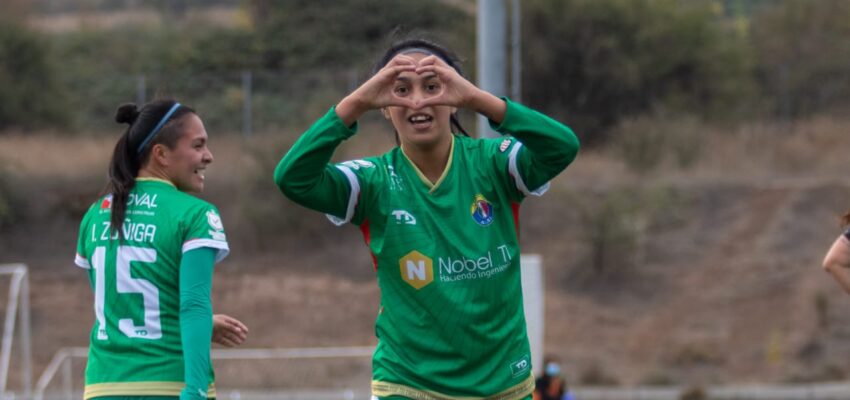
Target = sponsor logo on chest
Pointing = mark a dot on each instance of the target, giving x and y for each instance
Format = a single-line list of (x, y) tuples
[(418, 270)]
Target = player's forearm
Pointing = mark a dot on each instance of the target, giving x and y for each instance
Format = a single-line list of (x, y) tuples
[(840, 274), (305, 176), (196, 269), (350, 109), (489, 106)]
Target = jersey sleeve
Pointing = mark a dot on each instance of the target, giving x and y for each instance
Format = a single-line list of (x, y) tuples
[(536, 149), (81, 258), (196, 274), (305, 174), (204, 228), (361, 175)]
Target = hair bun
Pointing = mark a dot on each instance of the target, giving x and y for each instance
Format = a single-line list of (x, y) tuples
[(127, 114)]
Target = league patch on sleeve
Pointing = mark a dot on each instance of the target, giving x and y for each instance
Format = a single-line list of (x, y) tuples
[(506, 144), (357, 164), (214, 221)]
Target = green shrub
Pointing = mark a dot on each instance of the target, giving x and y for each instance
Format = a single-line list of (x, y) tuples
[(30, 96), (803, 55), (599, 61)]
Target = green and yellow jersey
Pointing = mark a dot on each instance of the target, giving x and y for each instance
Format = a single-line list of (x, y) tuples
[(135, 345), (447, 254)]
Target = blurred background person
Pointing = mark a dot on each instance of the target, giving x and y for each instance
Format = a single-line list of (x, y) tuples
[(551, 385)]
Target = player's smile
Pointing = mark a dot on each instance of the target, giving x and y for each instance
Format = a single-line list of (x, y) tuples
[(421, 121), (190, 157)]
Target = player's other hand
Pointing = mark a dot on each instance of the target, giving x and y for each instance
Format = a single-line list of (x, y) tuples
[(228, 331)]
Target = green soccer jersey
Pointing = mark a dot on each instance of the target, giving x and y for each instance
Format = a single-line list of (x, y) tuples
[(135, 345), (451, 322)]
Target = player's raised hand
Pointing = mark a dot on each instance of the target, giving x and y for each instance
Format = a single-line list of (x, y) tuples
[(455, 90), (458, 92), (377, 92), (228, 331)]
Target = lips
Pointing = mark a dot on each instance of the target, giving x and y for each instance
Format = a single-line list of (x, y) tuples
[(200, 173)]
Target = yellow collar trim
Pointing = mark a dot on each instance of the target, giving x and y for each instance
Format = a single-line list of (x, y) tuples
[(423, 178), (152, 179)]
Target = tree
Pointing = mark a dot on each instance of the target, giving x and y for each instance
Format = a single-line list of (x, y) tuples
[(30, 96), (301, 34), (594, 62), (803, 55)]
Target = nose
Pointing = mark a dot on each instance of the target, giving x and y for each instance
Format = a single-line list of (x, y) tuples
[(418, 94), (208, 157)]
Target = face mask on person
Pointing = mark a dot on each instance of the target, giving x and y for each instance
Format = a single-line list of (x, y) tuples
[(553, 369)]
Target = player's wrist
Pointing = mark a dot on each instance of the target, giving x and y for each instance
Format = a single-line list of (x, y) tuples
[(488, 105), (349, 109)]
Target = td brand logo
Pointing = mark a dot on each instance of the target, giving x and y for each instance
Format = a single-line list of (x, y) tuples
[(417, 269)]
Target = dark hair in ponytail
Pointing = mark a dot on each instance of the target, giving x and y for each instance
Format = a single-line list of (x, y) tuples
[(438, 50), (131, 152)]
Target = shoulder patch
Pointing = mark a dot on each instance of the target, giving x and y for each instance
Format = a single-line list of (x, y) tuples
[(357, 164), (106, 203), (505, 145), (214, 220)]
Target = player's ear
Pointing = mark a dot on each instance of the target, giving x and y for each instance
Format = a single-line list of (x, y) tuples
[(159, 153), (386, 112)]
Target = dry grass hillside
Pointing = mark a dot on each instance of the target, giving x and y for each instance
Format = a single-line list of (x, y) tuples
[(705, 271)]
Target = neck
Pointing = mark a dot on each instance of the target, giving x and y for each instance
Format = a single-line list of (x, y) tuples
[(431, 160), (152, 172)]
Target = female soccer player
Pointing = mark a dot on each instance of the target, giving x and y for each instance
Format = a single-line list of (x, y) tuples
[(837, 260), (439, 215), (149, 249)]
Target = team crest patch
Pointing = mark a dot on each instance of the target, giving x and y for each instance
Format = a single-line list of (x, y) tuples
[(482, 210), (505, 144), (106, 203), (214, 220)]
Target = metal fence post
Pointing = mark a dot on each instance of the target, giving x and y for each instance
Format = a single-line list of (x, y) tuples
[(26, 351), (67, 382)]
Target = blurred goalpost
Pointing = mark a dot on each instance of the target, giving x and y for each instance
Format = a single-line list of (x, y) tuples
[(18, 302)]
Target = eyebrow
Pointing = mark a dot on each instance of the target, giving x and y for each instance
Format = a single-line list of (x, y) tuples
[(408, 80)]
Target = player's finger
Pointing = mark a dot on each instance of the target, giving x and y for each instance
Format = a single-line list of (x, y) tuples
[(233, 323), (236, 338), (430, 60), (437, 100), (402, 59), (237, 334), (401, 102), (238, 324)]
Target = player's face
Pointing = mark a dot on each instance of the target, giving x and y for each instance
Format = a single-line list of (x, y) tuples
[(189, 158), (427, 126)]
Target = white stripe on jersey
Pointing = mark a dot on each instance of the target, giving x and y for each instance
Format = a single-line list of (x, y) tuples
[(352, 198), (514, 171), (222, 247), (82, 262)]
